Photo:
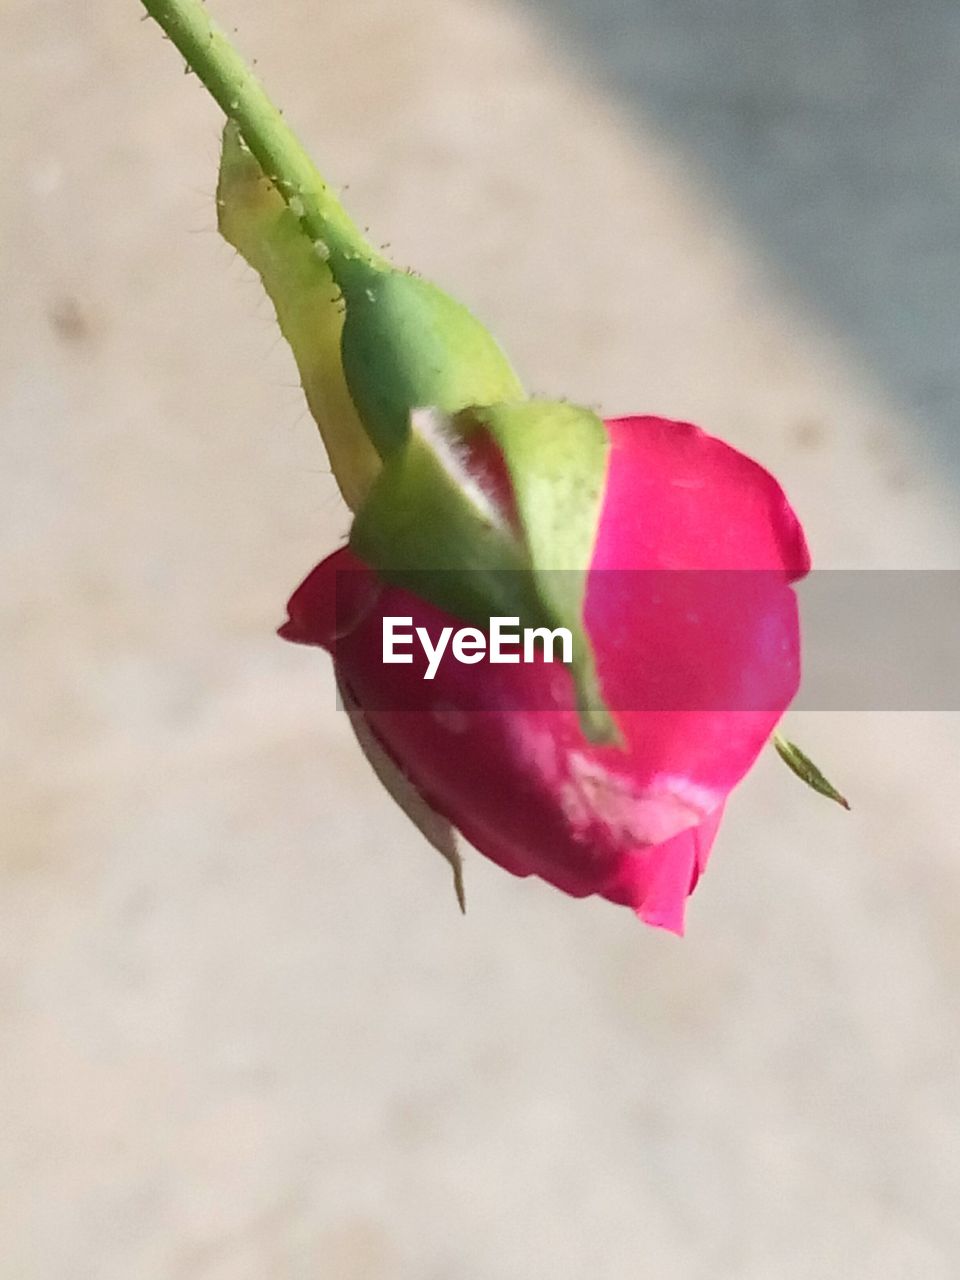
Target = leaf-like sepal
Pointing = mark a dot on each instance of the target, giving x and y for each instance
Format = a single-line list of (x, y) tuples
[(494, 512), (253, 217), (406, 343), (799, 762)]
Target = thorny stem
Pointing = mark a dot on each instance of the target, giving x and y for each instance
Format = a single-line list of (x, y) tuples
[(218, 65)]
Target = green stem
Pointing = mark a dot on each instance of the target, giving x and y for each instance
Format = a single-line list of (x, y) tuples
[(221, 69)]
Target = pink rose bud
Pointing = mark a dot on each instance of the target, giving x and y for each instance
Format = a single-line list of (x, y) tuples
[(695, 667), (663, 556)]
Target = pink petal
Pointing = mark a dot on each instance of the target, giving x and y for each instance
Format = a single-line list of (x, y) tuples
[(697, 640)]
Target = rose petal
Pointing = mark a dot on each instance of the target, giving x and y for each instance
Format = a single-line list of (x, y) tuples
[(696, 635)]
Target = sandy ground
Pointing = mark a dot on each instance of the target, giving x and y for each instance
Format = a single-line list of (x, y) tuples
[(244, 1032)]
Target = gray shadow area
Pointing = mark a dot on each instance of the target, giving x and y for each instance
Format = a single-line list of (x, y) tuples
[(832, 127)]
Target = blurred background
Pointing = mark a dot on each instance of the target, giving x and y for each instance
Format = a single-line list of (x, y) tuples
[(244, 1032)]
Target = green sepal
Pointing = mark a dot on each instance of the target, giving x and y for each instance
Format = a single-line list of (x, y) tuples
[(427, 526), (407, 344), (435, 829), (253, 217), (371, 342), (801, 764), (556, 455), (433, 525)]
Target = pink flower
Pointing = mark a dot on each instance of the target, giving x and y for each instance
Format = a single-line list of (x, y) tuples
[(697, 668)]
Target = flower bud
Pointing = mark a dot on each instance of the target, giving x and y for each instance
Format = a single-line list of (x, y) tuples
[(694, 623)]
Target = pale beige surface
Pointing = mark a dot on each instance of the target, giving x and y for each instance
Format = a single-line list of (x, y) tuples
[(243, 1031)]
